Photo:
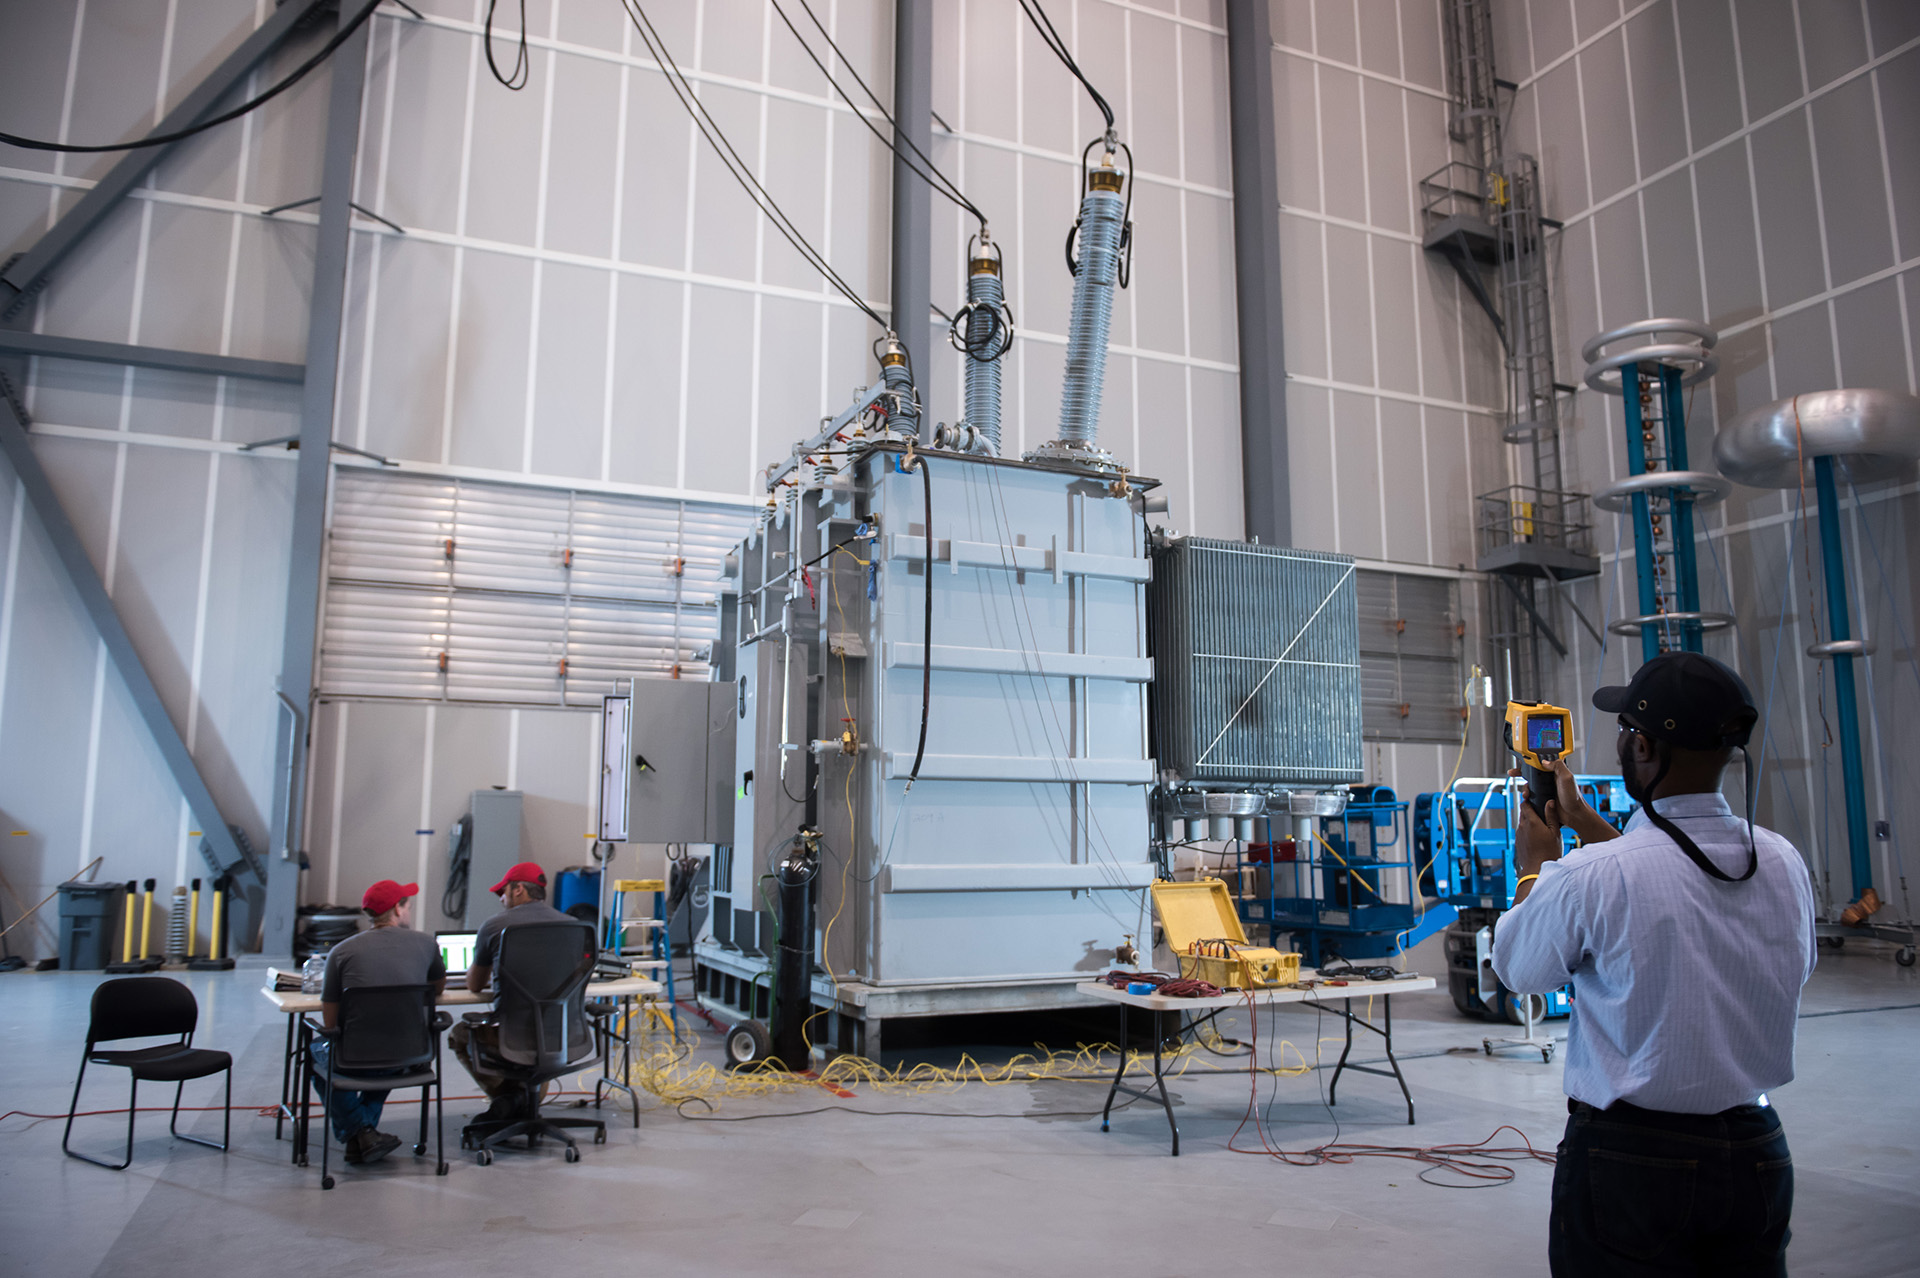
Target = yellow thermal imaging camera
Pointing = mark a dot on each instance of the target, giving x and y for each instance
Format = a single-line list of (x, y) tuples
[(1540, 735)]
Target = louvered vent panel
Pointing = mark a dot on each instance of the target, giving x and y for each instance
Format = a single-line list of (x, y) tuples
[(462, 590)]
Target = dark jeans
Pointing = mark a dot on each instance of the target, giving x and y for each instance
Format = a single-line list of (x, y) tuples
[(350, 1111), (1642, 1192)]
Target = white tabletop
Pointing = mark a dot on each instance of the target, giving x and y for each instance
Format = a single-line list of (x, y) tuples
[(293, 1002), (1408, 984)]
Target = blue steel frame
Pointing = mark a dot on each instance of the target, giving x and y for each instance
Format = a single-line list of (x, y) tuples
[(1840, 627), (1685, 588), (1362, 860)]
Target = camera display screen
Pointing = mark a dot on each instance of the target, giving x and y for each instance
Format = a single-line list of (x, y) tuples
[(1544, 735)]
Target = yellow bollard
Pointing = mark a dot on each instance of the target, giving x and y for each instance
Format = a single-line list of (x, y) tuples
[(128, 963), (216, 960), (193, 921), (146, 921)]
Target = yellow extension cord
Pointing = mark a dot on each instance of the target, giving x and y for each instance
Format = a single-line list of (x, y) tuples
[(661, 1068)]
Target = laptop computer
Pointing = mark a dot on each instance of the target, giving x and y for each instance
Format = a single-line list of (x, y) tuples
[(456, 949)]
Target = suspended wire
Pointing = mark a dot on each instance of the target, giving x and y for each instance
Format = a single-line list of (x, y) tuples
[(1051, 38), (932, 175), (252, 104), (515, 79), (741, 172)]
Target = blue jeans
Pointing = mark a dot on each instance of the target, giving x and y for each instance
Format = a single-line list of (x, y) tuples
[(1638, 1191), (350, 1111)]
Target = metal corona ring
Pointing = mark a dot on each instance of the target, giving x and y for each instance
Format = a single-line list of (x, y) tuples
[(1697, 355)]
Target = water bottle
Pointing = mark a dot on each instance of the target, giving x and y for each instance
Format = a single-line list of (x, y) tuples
[(313, 973)]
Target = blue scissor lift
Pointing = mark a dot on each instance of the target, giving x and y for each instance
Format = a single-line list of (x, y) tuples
[(1463, 844)]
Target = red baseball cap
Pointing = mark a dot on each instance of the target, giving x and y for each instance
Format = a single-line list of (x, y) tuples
[(386, 894), (525, 872)]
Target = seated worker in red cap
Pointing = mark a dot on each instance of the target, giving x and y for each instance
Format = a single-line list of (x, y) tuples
[(390, 953), (523, 893)]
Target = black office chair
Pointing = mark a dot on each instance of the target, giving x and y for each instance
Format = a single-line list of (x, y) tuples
[(545, 1031), (149, 1007), (388, 1038)]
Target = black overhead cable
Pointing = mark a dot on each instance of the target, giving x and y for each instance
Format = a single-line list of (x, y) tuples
[(932, 175), (515, 79), (1051, 38), (742, 173), (162, 139)]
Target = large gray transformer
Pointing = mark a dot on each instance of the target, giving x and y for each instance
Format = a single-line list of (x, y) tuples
[(1019, 857)]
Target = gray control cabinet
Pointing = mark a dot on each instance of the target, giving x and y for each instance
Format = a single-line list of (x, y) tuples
[(496, 848), (667, 762)]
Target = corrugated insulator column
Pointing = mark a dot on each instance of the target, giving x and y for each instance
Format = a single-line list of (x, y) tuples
[(985, 344), (1101, 215), (904, 414)]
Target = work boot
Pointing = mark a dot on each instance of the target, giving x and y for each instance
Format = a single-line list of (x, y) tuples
[(377, 1145), (499, 1110)]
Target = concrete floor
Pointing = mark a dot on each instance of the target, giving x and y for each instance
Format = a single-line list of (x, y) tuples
[(1041, 1190)]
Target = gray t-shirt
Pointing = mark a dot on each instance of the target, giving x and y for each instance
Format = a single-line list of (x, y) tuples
[(486, 947), (382, 956)]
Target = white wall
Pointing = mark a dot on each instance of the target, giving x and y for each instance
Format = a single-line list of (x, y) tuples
[(582, 297), (1752, 163)]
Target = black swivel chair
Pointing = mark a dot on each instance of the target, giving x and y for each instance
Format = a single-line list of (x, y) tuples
[(149, 1007), (388, 1038), (545, 1031)]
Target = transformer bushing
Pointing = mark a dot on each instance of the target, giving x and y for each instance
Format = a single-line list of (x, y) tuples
[(903, 411), (1102, 222), (1661, 492), (1865, 434), (988, 333)]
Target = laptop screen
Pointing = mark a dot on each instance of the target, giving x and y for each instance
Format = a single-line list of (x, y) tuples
[(456, 948)]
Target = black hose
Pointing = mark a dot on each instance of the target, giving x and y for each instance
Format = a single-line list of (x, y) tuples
[(926, 632)]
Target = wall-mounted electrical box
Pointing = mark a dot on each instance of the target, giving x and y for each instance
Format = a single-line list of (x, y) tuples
[(666, 749)]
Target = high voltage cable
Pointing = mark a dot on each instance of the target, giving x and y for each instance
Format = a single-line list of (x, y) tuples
[(737, 166), (1051, 38), (252, 104), (933, 177)]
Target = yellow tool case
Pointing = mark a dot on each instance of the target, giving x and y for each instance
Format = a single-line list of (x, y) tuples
[(1204, 931)]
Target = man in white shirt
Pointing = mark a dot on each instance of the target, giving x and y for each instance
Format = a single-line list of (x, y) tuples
[(1687, 938)]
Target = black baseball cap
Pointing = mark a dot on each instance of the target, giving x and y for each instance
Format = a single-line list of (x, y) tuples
[(1686, 698)]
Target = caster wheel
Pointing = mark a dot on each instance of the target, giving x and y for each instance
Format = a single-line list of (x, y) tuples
[(1904, 956), (1546, 1056), (1486, 1047), (747, 1042), (573, 1155), (419, 1150), (441, 1170), (326, 1182), (600, 1137), (484, 1158)]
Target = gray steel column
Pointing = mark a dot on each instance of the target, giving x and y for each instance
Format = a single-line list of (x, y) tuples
[(912, 198), (314, 470), (1256, 253)]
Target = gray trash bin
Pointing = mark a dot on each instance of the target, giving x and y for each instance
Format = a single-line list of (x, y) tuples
[(86, 924)]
